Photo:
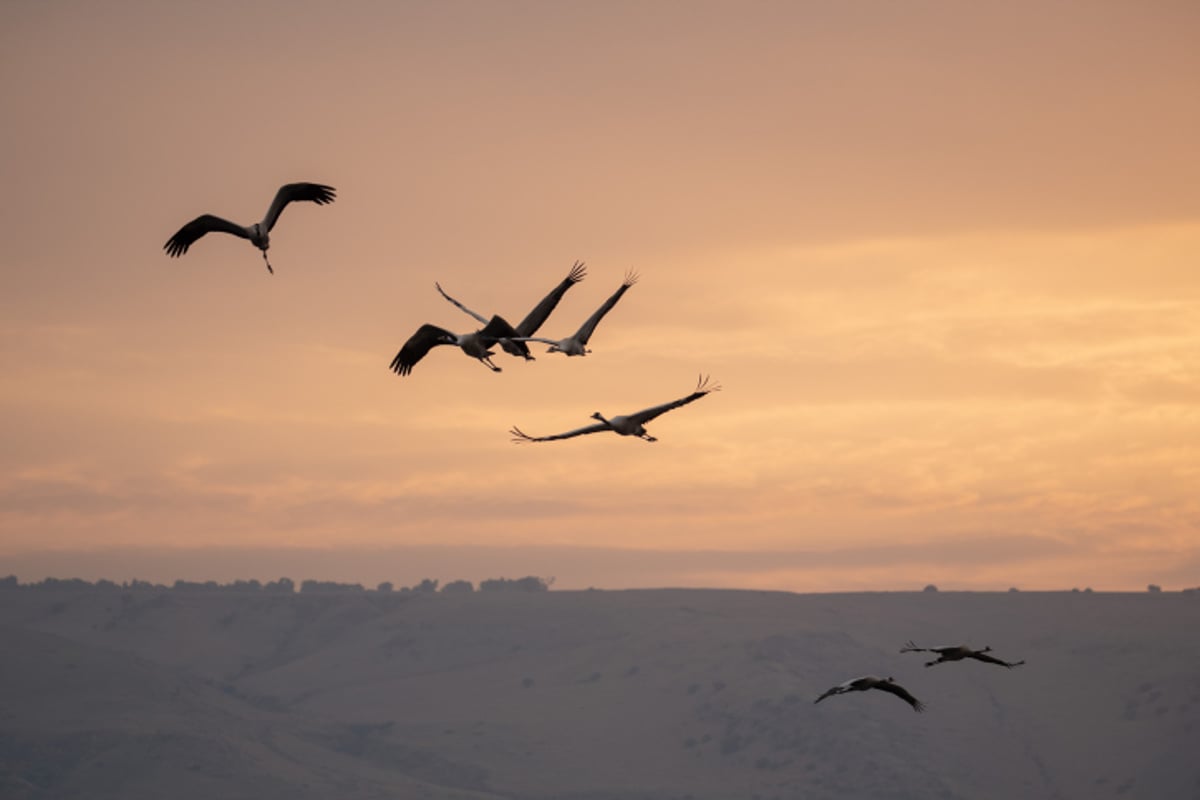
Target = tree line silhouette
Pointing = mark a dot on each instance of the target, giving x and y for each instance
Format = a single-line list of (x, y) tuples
[(530, 583)]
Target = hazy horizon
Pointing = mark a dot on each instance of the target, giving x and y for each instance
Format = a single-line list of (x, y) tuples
[(567, 567)]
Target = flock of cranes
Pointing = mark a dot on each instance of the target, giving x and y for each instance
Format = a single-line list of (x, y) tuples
[(478, 344), (496, 330)]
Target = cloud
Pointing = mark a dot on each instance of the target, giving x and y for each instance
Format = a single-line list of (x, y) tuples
[(51, 497)]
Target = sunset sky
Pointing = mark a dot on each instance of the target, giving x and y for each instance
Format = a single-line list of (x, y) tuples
[(941, 256)]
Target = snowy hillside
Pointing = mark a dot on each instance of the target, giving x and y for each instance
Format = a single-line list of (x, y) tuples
[(590, 695)]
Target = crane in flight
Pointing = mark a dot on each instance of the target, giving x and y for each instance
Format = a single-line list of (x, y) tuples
[(867, 682), (958, 653), (476, 344), (534, 319), (576, 345), (626, 425), (259, 233)]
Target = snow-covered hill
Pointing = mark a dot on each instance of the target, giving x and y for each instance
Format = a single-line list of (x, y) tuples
[(590, 695)]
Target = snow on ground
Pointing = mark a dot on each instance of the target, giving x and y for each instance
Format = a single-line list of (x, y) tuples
[(594, 695)]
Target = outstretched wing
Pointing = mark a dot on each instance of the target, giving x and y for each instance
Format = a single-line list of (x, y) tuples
[(835, 690), (511, 346), (944, 649), (534, 319), (178, 244), (519, 436), (980, 656), (425, 339), (314, 192), (482, 319), (585, 331), (902, 693), (497, 329), (647, 414)]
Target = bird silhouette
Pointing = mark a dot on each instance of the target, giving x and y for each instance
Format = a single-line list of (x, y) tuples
[(958, 653), (576, 345), (477, 344), (627, 425), (259, 232), (865, 682), (534, 319)]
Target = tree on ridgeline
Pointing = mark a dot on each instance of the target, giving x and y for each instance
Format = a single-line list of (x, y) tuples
[(328, 587), (530, 583), (195, 586), (281, 586)]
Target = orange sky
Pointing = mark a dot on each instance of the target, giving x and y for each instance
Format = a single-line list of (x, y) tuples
[(942, 258)]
